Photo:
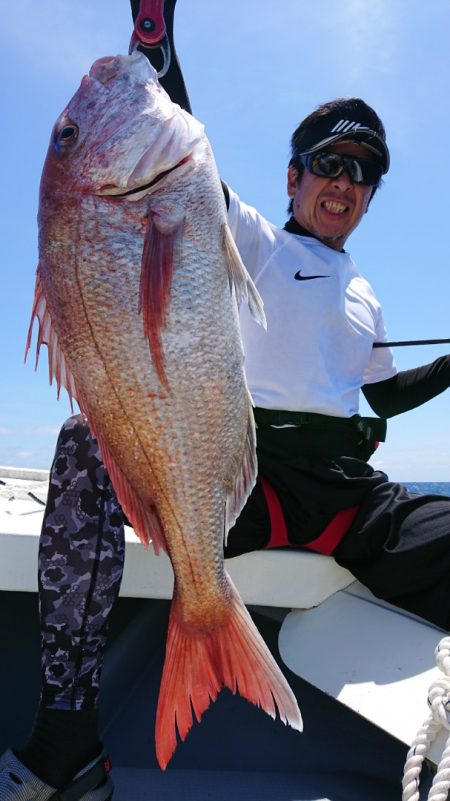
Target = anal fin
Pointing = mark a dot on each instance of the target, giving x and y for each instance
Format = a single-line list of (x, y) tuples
[(246, 478)]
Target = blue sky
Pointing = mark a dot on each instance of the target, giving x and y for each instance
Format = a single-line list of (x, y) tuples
[(254, 69)]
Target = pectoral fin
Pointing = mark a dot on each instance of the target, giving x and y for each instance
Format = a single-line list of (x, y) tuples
[(164, 227)]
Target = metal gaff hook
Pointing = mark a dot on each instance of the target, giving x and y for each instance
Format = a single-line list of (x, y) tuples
[(150, 32)]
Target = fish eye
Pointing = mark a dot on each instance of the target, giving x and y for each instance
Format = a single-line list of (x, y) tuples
[(67, 135)]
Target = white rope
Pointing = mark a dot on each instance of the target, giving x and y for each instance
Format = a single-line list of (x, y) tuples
[(439, 718)]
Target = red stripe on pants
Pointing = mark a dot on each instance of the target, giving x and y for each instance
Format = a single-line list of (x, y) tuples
[(325, 543)]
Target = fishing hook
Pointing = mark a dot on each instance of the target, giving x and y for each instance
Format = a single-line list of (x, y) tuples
[(150, 32)]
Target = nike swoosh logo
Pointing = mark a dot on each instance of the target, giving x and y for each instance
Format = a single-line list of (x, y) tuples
[(299, 277)]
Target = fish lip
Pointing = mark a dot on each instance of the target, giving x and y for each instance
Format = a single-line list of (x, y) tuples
[(113, 191)]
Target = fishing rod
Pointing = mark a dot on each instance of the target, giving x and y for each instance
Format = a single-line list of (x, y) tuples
[(411, 342)]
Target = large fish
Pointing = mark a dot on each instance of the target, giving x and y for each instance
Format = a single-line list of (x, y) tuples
[(136, 297)]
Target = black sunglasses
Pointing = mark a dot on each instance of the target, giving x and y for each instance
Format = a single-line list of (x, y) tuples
[(331, 165)]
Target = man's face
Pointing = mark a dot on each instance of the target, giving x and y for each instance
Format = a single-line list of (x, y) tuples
[(330, 208)]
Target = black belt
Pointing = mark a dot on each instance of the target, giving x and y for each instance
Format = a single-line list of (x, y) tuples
[(370, 428)]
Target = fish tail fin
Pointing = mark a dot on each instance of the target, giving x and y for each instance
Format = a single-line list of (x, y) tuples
[(240, 280), (198, 665)]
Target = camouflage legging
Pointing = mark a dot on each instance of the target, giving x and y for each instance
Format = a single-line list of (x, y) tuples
[(81, 558)]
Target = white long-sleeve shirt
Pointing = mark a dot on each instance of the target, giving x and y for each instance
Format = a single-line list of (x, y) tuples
[(322, 321)]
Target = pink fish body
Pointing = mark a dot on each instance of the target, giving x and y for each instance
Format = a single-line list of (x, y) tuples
[(137, 296)]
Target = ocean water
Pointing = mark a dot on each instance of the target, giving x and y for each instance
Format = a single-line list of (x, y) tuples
[(437, 487)]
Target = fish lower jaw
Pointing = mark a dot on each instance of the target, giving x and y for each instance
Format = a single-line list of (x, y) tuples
[(136, 192)]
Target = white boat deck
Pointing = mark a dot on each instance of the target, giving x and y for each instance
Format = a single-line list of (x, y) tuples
[(279, 579), (373, 658)]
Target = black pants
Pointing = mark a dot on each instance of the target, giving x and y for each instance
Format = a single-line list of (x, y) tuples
[(399, 542)]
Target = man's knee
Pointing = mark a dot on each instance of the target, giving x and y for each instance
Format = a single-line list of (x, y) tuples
[(76, 427), (76, 449)]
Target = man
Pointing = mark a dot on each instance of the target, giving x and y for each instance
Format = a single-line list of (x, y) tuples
[(305, 375), (316, 488)]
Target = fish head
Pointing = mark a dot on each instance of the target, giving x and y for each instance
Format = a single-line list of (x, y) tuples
[(119, 134)]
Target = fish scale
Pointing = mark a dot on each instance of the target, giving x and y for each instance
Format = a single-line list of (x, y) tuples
[(137, 296)]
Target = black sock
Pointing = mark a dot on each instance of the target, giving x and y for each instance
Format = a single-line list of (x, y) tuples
[(61, 744)]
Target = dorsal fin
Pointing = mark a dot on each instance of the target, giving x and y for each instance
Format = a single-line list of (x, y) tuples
[(58, 368), (143, 518)]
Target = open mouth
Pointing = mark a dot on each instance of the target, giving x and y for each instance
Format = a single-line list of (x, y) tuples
[(334, 206), (112, 190)]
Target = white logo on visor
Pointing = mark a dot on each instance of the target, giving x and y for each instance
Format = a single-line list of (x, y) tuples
[(345, 125)]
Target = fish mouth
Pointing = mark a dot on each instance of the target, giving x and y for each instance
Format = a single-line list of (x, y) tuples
[(141, 189)]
